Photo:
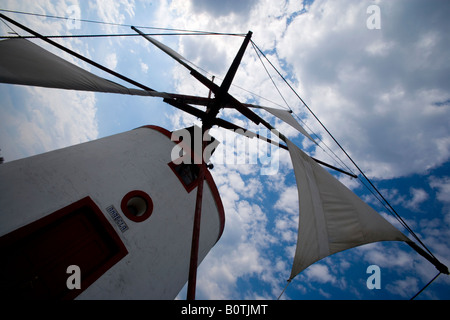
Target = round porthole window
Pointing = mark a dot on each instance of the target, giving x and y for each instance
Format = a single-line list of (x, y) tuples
[(137, 205)]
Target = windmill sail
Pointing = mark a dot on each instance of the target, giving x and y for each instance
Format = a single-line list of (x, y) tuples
[(289, 119), (332, 218), (25, 63)]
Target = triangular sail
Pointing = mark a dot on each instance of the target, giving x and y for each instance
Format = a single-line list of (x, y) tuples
[(332, 218), (23, 62), (287, 117)]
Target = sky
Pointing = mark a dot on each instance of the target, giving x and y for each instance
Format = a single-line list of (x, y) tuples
[(378, 80)]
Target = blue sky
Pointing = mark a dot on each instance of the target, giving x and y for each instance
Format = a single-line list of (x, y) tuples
[(383, 93)]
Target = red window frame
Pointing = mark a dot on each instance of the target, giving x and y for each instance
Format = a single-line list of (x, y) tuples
[(130, 215), (47, 232), (188, 186)]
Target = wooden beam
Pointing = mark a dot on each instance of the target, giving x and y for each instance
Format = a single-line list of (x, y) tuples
[(226, 83)]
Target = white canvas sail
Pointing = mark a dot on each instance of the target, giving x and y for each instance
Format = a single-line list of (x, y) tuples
[(23, 62), (332, 218), (287, 117)]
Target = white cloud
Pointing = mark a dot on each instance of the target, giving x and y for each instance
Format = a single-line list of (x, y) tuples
[(283, 226), (443, 188), (413, 201), (380, 48), (381, 255), (113, 11), (405, 288), (111, 60), (288, 200), (48, 119), (320, 273), (144, 67), (376, 92), (224, 8), (418, 197)]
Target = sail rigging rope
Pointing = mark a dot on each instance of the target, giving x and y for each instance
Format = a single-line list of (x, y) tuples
[(118, 35), (122, 24), (270, 77), (420, 291), (288, 283)]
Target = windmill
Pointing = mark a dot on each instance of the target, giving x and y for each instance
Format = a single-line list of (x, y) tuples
[(332, 218)]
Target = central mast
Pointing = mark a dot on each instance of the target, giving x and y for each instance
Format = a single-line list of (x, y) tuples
[(208, 121)]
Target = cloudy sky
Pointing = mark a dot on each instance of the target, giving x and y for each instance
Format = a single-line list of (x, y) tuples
[(380, 84)]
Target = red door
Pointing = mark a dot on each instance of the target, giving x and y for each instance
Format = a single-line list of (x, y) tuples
[(35, 258)]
